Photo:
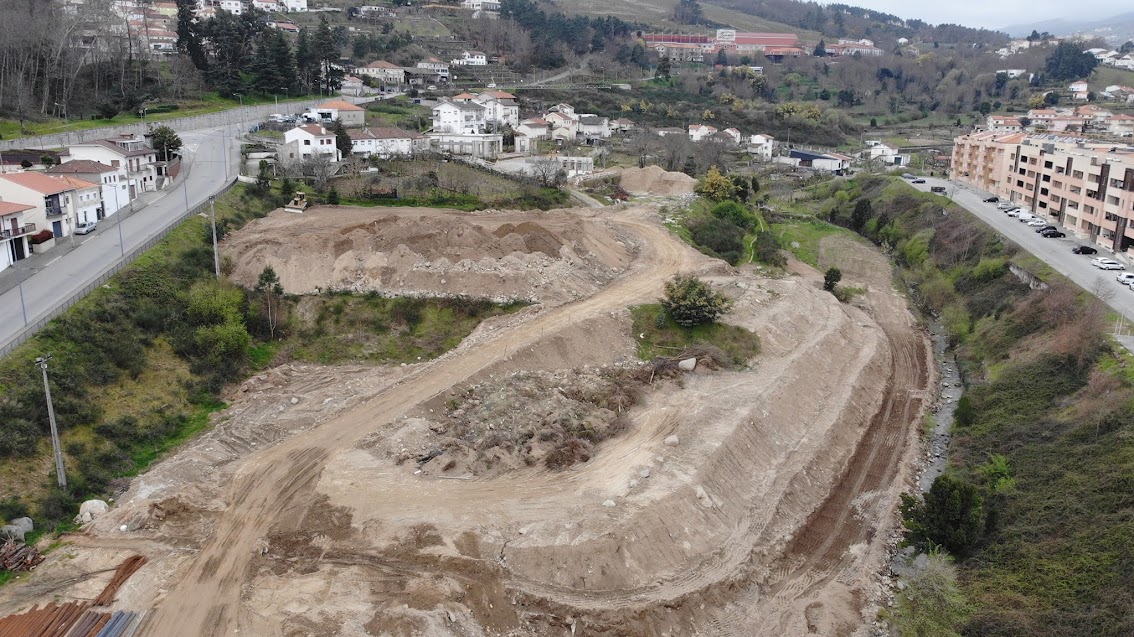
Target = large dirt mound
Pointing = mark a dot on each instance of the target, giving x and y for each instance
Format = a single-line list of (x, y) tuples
[(548, 258), (652, 180)]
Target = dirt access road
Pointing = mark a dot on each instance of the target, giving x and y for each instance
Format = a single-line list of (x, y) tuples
[(772, 516), (207, 599)]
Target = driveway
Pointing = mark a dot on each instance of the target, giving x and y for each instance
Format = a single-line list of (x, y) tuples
[(1055, 252)]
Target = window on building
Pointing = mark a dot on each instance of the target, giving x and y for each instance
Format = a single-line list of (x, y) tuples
[(1078, 174), (1047, 164), (1019, 183), (307, 142)]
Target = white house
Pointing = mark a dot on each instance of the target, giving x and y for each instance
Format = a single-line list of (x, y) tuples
[(479, 145), (235, 7), (1012, 73), (383, 72), (563, 121), (295, 5), (349, 114), (113, 181), (623, 125), (308, 140), (57, 201), (1125, 62), (437, 66), (481, 5), (884, 153), (1000, 124), (387, 142), (472, 58), (458, 117), (761, 146), (1121, 126), (499, 107), (126, 150), (697, 132), (534, 128), (1079, 90), (14, 230), (594, 127), (734, 134), (271, 6)]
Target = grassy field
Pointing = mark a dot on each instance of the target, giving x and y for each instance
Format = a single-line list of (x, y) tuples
[(211, 103), (663, 337)]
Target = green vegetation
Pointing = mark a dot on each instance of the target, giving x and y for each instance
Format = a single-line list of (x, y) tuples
[(932, 604), (140, 363), (831, 278), (372, 328), (690, 302), (1043, 455), (658, 335)]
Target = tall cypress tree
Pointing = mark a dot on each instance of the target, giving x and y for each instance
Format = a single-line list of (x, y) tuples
[(304, 61), (188, 39), (326, 51), (284, 62)]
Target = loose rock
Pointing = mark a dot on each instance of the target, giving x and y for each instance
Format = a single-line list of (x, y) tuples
[(672, 441), (687, 365)]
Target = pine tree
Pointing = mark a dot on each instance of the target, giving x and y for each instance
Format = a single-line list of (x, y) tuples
[(327, 55), (304, 61), (284, 62), (264, 70), (342, 139), (188, 39)]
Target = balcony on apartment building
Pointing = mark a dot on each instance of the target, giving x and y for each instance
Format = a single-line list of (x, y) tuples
[(53, 209), (15, 232)]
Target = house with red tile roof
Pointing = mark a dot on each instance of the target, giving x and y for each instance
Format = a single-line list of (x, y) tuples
[(309, 140), (112, 180), (14, 230), (58, 202)]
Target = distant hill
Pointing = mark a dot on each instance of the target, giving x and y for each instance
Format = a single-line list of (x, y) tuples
[(1115, 30)]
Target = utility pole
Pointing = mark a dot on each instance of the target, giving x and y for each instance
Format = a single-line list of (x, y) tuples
[(213, 215), (42, 362)]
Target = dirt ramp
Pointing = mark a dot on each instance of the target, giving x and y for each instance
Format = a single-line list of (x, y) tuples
[(547, 258), (653, 180)]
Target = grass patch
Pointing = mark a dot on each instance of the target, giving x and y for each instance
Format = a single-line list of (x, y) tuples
[(342, 327), (802, 238), (657, 335)]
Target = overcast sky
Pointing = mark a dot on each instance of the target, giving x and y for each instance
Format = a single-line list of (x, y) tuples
[(993, 14)]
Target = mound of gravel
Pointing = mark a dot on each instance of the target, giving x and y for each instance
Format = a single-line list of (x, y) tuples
[(652, 180)]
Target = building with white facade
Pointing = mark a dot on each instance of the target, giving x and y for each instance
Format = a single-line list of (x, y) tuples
[(481, 146), (500, 108), (383, 72), (441, 69), (58, 202), (15, 227), (697, 132), (129, 151), (338, 110), (113, 181), (295, 5), (761, 146), (387, 142), (471, 58), (458, 117), (303, 142)]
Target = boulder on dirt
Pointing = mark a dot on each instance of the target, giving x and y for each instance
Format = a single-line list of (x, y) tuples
[(90, 510), (608, 503), (645, 473), (687, 365), (672, 441), (11, 532)]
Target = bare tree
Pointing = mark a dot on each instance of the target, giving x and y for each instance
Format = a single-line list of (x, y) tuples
[(547, 171)]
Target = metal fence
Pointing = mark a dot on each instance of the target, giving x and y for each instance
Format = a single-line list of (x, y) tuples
[(31, 329)]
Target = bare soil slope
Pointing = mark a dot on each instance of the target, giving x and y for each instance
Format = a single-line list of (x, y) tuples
[(310, 510), (543, 257)]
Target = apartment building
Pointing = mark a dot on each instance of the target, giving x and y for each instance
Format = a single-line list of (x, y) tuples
[(1086, 186)]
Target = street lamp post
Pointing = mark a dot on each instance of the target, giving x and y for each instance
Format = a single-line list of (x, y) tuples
[(23, 306), (213, 217), (42, 363)]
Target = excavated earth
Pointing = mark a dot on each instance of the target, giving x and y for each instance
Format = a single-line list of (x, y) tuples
[(413, 500)]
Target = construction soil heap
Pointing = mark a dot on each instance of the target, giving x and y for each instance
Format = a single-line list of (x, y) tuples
[(653, 180), (401, 500)]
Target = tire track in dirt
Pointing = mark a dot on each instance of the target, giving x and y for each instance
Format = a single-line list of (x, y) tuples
[(206, 600)]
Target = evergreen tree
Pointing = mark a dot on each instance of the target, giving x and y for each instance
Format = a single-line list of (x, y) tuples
[(304, 61), (188, 40), (664, 68), (1069, 62), (821, 49), (266, 75), (688, 12), (342, 139), (326, 50), (284, 62)]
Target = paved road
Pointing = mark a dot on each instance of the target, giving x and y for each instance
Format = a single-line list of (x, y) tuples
[(59, 278), (1055, 252)]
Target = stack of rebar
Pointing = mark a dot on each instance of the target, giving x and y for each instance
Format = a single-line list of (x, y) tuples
[(125, 570), (73, 619)]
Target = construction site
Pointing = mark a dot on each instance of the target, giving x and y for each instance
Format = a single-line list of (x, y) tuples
[(531, 481)]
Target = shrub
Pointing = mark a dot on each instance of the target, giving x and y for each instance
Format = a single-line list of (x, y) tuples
[(690, 301), (724, 239), (950, 516), (768, 249), (831, 278), (40, 237), (964, 415), (716, 186), (734, 213)]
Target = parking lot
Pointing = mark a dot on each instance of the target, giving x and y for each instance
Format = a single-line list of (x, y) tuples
[(1055, 252)]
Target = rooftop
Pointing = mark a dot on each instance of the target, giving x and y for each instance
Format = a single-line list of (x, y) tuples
[(341, 105), (11, 207), (39, 182), (383, 132), (80, 166)]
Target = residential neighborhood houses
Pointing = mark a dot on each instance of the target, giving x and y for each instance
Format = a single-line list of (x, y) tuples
[(1090, 119), (93, 180)]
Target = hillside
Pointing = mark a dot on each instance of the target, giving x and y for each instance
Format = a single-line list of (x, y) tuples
[(658, 13), (1115, 29)]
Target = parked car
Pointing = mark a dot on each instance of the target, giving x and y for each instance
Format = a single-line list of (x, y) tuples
[(1084, 250), (992, 200), (1046, 228), (1015, 212), (1132, 286), (1005, 205), (1036, 222), (1103, 263), (907, 176), (937, 189), (86, 227), (1053, 234), (1024, 217), (1126, 278)]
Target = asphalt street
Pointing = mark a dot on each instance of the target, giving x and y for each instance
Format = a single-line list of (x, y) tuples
[(57, 279), (1055, 252)]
